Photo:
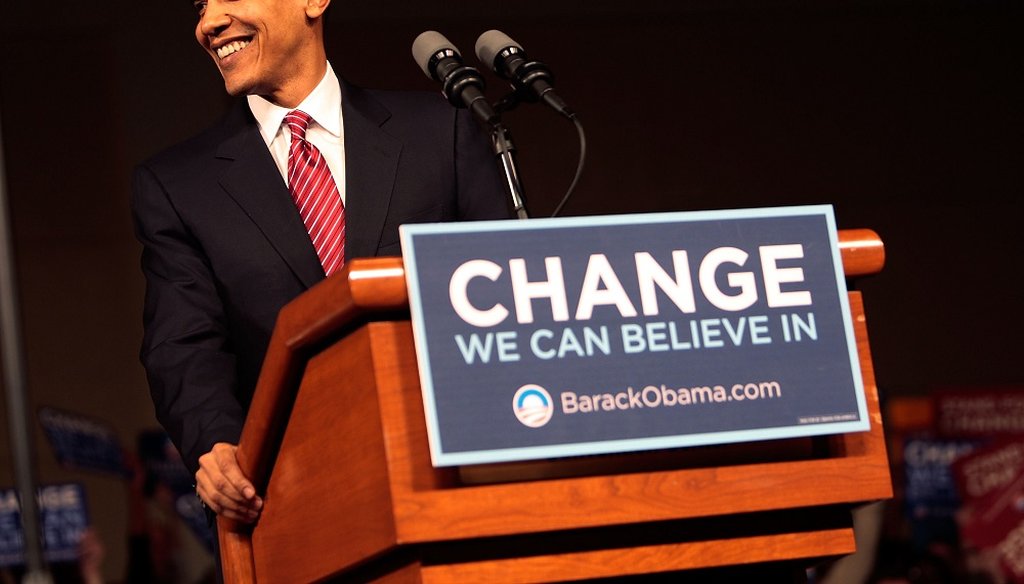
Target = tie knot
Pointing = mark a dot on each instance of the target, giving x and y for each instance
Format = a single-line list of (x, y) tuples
[(297, 121)]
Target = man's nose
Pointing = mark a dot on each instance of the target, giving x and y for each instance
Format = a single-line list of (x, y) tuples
[(214, 19)]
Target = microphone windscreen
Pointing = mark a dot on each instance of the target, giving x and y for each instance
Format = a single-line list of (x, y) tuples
[(491, 43), (426, 45)]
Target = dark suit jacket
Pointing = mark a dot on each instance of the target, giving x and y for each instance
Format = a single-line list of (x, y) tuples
[(224, 247)]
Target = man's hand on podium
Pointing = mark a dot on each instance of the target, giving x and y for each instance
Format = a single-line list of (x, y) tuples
[(222, 486)]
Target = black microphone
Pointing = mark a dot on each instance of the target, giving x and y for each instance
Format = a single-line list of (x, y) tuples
[(531, 79), (461, 84)]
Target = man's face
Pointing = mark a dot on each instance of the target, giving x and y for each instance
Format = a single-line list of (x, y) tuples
[(260, 46)]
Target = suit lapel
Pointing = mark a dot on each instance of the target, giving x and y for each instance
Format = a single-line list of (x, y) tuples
[(254, 182), (371, 163)]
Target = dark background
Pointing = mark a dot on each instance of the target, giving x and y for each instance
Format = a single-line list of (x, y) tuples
[(905, 115)]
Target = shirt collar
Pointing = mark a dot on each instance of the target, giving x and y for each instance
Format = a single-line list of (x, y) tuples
[(323, 104)]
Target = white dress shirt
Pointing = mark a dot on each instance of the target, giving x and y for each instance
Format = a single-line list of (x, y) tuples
[(326, 130)]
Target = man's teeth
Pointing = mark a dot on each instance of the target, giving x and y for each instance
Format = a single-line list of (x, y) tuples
[(231, 48)]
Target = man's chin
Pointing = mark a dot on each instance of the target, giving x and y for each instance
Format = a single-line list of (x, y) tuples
[(236, 88)]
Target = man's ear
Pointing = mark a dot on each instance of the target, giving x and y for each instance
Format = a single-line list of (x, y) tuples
[(316, 8)]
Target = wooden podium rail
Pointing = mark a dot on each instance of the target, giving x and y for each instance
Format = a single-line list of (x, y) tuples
[(336, 441)]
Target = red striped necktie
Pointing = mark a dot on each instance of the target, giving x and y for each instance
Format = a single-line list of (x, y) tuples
[(316, 195)]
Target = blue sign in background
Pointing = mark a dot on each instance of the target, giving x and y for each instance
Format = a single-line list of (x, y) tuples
[(930, 494), (83, 443), (469, 405), (63, 518)]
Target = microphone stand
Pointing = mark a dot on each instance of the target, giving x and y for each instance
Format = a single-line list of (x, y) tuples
[(501, 139)]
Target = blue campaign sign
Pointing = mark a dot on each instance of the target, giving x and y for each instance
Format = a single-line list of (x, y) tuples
[(82, 443), (63, 518), (561, 337), (930, 495)]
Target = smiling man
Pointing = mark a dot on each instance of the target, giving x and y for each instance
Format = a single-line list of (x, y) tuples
[(303, 173), (271, 49)]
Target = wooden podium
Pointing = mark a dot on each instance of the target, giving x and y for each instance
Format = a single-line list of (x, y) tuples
[(336, 440)]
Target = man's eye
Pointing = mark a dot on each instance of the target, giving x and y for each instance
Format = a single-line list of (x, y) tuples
[(199, 5)]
